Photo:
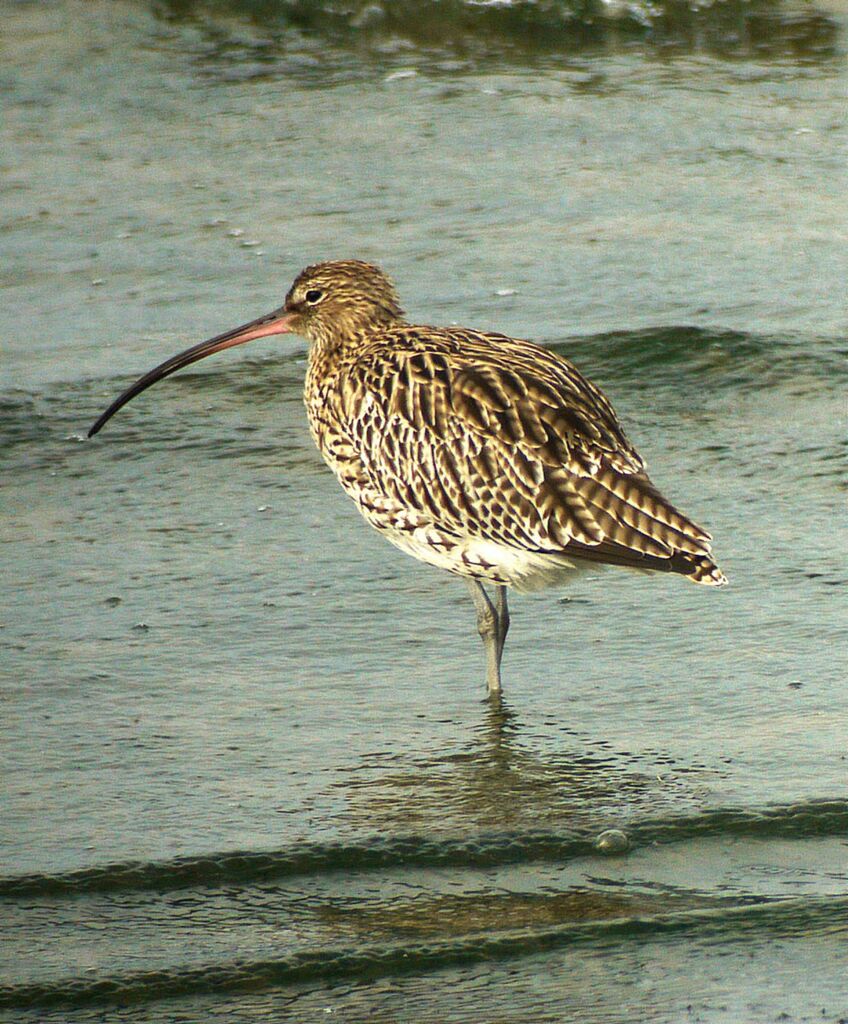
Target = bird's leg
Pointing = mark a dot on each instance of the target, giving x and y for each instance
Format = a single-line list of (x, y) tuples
[(492, 625), (502, 610)]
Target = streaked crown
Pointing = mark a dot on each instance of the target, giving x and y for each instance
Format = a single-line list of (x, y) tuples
[(340, 299)]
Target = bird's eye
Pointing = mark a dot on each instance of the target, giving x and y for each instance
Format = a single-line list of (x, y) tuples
[(314, 295)]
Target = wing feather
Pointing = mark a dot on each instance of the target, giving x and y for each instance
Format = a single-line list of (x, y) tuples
[(499, 439)]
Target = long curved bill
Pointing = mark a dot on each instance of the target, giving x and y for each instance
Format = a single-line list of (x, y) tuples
[(278, 322)]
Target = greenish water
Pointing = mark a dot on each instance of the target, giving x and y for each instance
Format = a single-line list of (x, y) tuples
[(247, 771)]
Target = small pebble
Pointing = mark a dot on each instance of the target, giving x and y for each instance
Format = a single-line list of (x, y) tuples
[(612, 841)]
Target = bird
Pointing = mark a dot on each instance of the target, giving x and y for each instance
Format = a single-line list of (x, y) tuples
[(488, 456)]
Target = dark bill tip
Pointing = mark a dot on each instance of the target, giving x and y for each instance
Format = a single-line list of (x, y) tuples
[(278, 322)]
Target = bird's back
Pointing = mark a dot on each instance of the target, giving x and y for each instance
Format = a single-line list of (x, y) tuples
[(492, 457)]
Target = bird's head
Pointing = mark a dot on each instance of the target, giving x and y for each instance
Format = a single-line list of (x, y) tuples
[(342, 298), (328, 303)]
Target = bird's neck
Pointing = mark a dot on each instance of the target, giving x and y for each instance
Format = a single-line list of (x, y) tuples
[(330, 345), (328, 356)]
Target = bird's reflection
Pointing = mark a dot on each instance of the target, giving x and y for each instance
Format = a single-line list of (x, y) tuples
[(505, 786), (445, 916), (505, 779)]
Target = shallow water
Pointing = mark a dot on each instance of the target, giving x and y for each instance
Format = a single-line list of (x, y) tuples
[(247, 768)]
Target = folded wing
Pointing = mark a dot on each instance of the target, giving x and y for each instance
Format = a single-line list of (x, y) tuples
[(498, 439)]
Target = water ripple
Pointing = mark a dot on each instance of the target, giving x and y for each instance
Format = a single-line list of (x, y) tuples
[(816, 818), (783, 918)]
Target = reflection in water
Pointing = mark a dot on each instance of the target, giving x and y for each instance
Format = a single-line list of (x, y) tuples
[(447, 916), (424, 30), (501, 782)]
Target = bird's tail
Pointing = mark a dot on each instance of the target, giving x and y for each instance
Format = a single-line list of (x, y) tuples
[(704, 570)]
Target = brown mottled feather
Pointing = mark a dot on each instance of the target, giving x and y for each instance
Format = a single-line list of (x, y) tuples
[(450, 436)]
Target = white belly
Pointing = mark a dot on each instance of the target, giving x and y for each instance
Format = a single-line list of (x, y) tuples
[(483, 559)]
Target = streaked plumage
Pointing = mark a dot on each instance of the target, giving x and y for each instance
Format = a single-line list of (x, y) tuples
[(484, 455)]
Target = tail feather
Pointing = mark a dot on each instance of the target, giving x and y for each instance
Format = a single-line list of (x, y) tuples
[(622, 519), (698, 568)]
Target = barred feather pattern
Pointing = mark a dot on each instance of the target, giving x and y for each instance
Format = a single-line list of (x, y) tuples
[(485, 455)]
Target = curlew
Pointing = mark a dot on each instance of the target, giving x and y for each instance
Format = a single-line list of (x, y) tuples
[(484, 455)]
